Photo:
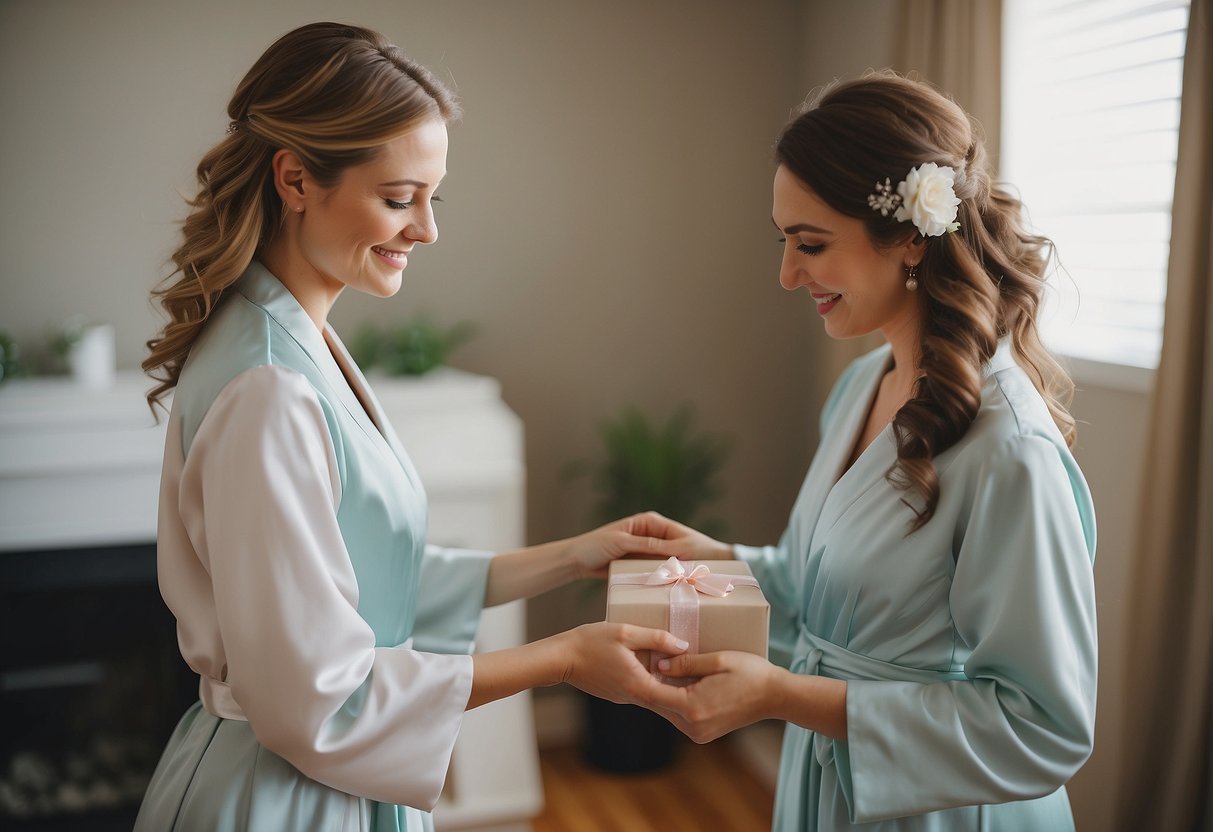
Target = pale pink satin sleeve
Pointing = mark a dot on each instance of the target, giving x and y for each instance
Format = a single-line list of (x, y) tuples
[(254, 566)]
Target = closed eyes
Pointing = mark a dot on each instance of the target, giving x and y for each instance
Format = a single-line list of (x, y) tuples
[(804, 248), (400, 206)]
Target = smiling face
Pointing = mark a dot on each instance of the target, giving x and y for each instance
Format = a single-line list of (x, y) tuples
[(359, 232), (857, 287)]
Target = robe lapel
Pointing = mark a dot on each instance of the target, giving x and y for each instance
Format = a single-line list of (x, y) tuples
[(876, 459), (262, 288), (377, 420), (842, 487), (351, 375), (869, 470)]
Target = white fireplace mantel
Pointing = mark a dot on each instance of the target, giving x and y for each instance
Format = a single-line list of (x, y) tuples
[(80, 468)]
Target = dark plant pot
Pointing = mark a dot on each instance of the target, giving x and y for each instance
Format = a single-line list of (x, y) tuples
[(627, 739)]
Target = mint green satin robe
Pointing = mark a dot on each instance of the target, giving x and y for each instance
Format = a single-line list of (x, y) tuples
[(969, 647), (330, 641)]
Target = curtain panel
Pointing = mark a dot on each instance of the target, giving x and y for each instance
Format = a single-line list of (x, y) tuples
[(1166, 775)]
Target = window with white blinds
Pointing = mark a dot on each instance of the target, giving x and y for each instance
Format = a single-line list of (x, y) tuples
[(1090, 125)]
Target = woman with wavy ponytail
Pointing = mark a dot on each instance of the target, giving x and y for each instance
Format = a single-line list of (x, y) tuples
[(291, 541), (932, 597)]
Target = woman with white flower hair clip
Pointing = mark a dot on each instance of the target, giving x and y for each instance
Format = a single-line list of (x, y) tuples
[(932, 598)]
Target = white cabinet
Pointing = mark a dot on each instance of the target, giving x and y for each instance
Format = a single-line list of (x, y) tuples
[(80, 468), (467, 446)]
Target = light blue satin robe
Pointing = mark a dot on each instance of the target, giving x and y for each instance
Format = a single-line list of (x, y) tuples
[(291, 549), (969, 647)]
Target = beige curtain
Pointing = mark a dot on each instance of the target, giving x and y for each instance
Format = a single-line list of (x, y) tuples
[(956, 45), (1166, 775)]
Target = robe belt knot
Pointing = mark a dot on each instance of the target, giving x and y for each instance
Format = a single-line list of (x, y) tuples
[(218, 700), (816, 656)]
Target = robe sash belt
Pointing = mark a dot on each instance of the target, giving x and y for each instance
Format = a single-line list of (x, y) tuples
[(218, 699), (816, 656), (686, 582)]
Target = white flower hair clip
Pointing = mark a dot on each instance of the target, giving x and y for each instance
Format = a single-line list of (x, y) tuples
[(926, 197)]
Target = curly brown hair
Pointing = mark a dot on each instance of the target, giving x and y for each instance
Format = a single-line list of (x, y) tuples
[(333, 94), (977, 285)]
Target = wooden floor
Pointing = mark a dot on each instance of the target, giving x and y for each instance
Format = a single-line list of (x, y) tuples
[(706, 788)]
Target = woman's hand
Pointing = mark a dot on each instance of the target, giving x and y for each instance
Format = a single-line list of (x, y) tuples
[(732, 689), (600, 659), (523, 573), (648, 533)]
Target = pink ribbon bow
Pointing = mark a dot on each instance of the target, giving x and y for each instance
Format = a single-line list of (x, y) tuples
[(685, 588)]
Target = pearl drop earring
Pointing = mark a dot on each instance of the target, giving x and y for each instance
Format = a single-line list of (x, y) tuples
[(912, 277)]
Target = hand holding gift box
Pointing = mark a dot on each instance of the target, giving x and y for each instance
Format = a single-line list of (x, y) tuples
[(713, 606)]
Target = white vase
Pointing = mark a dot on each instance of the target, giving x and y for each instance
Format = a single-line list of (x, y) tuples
[(91, 359)]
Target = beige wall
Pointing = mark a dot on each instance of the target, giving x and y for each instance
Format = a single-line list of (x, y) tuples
[(605, 225), (605, 222)]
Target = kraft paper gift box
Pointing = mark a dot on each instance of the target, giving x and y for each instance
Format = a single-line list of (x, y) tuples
[(736, 621)]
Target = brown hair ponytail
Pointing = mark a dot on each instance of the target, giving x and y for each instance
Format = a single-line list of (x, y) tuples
[(334, 94)]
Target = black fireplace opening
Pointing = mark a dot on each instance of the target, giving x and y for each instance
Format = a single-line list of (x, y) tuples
[(91, 686)]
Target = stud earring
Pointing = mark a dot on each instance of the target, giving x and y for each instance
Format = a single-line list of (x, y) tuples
[(912, 277)]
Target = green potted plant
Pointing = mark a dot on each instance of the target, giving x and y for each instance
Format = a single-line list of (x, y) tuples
[(674, 469), (412, 348), (11, 365)]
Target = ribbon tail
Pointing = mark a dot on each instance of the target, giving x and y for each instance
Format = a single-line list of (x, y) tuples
[(717, 585)]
